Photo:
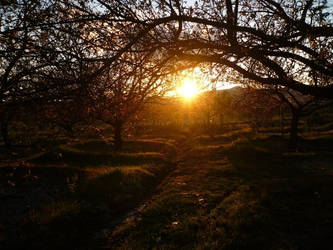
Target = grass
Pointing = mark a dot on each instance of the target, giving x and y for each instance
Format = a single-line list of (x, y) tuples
[(91, 188), (99, 154), (246, 195), (229, 191)]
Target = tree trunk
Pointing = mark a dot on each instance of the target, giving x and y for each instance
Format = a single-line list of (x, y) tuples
[(118, 140), (69, 129), (5, 135), (281, 122), (293, 139)]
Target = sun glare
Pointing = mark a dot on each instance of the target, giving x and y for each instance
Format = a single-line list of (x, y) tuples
[(189, 89)]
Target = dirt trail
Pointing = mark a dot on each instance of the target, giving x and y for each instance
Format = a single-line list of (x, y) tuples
[(173, 160), (191, 178)]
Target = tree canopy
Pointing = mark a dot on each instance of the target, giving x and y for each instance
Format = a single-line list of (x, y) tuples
[(274, 42), (286, 43)]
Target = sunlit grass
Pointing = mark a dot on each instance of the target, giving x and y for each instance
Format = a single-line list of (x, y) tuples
[(94, 172)]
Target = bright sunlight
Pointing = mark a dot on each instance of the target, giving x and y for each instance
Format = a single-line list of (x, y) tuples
[(188, 89)]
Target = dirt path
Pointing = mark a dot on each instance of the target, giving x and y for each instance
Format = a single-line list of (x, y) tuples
[(174, 161), (192, 182)]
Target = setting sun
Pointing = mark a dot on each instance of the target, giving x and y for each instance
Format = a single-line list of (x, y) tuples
[(189, 88)]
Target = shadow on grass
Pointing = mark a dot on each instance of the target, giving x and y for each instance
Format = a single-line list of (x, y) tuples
[(92, 198), (76, 220), (250, 195), (281, 197)]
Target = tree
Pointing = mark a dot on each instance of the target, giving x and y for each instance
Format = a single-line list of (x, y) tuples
[(257, 105), (300, 106), (258, 39), (54, 49), (42, 51), (120, 93), (20, 61)]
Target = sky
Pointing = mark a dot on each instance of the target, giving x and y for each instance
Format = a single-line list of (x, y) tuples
[(330, 5)]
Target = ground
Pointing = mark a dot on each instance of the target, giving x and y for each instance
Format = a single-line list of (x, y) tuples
[(229, 191)]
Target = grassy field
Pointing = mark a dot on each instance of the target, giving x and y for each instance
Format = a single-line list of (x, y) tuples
[(245, 193), (231, 191), (71, 197)]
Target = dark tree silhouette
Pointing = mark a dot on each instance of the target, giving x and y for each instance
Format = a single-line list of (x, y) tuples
[(20, 57), (56, 49), (258, 39), (300, 106), (258, 106), (120, 93)]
